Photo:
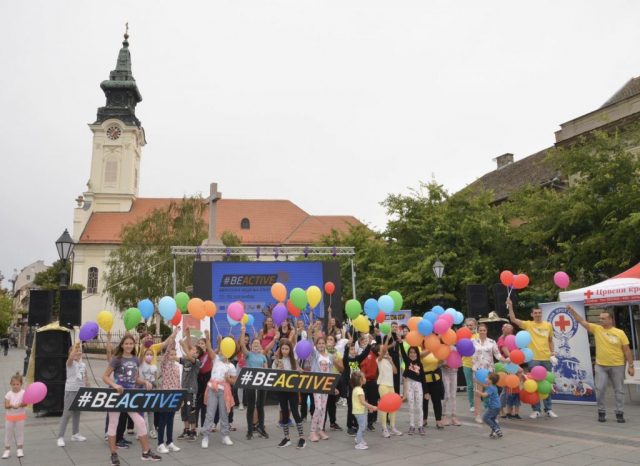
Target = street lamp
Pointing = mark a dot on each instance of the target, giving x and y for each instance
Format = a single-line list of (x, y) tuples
[(438, 270), (64, 245)]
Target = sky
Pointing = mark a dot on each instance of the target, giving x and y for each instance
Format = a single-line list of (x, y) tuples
[(330, 104)]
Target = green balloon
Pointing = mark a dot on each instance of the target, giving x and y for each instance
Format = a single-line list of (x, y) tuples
[(298, 298), (353, 308), (499, 367), (397, 300), (544, 387), (385, 328), (551, 378), (131, 318), (182, 300)]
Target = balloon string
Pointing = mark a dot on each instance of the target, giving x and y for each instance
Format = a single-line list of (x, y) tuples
[(215, 323)]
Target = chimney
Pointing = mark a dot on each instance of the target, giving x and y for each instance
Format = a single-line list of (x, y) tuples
[(504, 160)]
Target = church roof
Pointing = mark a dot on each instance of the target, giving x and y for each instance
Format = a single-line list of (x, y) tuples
[(631, 88), (272, 222)]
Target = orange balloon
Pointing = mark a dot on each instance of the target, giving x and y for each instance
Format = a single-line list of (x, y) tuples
[(432, 342), (449, 337), (442, 352), (279, 292), (210, 309), (503, 379), (463, 332), (414, 338), (520, 282), (511, 380), (196, 308), (413, 323)]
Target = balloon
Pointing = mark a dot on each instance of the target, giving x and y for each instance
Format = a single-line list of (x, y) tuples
[(182, 301), (390, 403), (177, 318), (464, 332), (35, 393), (459, 318), (544, 387), (529, 398), (448, 318), (279, 292), (196, 308), (329, 287), (502, 382), (441, 326), (439, 310), (386, 304), (538, 373), (235, 311), (413, 323), (228, 347), (105, 321), (89, 331), (361, 324), (510, 342), (279, 314), (167, 308), (250, 319), (512, 381), (146, 308), (353, 308), (543, 397), (241, 304), (521, 281), (432, 342), (371, 308), (511, 368), (523, 339), (506, 278), (314, 295), (245, 319), (210, 309), (465, 347), (425, 327), (295, 312), (131, 318), (414, 338), (397, 300), (381, 317), (531, 386), (430, 316), (561, 279), (499, 367), (442, 352), (451, 311), (551, 377), (385, 328), (232, 322), (516, 357), (303, 349), (454, 360), (449, 337), (481, 375), (298, 298), (528, 354)]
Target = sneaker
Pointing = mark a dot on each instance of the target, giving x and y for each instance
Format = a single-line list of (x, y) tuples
[(361, 446), (301, 444), (291, 424), (478, 419), (517, 417), (534, 415), (19, 453), (205, 442), (7, 454), (412, 430), (154, 434), (620, 418), (184, 435), (115, 461), (551, 414), (371, 427), (126, 441), (240, 406), (322, 435), (162, 449), (78, 438), (509, 417), (313, 437), (492, 434), (394, 431), (61, 442), (122, 444), (232, 428), (281, 424), (499, 433), (192, 436), (335, 427), (385, 433), (150, 456), (249, 435), (421, 430), (351, 432), (472, 409), (602, 417), (262, 433), (284, 443), (172, 447), (226, 440)]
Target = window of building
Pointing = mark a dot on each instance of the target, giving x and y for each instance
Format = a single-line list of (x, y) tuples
[(244, 224), (28, 277), (111, 169), (92, 281)]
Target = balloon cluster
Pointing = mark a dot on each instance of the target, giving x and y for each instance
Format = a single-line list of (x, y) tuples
[(512, 281), (374, 309)]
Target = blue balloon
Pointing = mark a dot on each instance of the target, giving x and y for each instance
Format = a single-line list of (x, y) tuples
[(146, 308), (371, 308), (451, 311), (430, 316), (438, 310), (511, 368), (425, 327), (232, 322), (167, 307), (458, 318), (251, 319), (528, 354), (523, 339), (385, 304), (481, 375)]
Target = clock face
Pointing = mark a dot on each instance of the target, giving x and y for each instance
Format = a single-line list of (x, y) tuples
[(113, 132)]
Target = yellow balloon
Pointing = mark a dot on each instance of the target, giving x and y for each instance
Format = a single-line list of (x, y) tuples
[(105, 321), (543, 396), (531, 386), (228, 347), (245, 319), (314, 295), (361, 324)]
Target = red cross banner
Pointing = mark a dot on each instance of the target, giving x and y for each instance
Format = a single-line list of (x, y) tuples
[(574, 373)]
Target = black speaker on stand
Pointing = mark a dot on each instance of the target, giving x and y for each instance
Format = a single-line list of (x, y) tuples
[(70, 308), (52, 351), (40, 307), (500, 293), (477, 301)]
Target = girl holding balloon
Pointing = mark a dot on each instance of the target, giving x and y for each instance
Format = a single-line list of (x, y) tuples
[(321, 361), (386, 370), (486, 350), (14, 417), (76, 378), (416, 390)]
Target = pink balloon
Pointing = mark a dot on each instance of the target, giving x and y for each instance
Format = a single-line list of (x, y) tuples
[(510, 342), (441, 326), (34, 393), (454, 360), (561, 279), (448, 318), (538, 373), (235, 311)]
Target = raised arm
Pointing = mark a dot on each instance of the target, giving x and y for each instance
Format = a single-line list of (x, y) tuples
[(276, 338), (212, 353), (170, 338), (578, 317), (187, 352), (72, 354), (512, 315), (404, 355), (243, 346)]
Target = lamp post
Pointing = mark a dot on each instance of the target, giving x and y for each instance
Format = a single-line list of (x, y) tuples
[(64, 245), (438, 270)]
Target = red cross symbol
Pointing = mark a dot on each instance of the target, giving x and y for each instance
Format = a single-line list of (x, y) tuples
[(562, 323), (588, 294)]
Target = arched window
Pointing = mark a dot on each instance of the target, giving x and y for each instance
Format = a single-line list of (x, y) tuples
[(92, 280), (244, 224), (111, 169)]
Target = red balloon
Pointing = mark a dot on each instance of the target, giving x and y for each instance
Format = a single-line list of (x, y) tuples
[(381, 317), (329, 287), (517, 357), (506, 278), (521, 281), (294, 311), (177, 318), (463, 332), (390, 403), (529, 398)]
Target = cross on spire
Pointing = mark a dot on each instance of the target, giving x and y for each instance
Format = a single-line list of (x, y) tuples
[(212, 200)]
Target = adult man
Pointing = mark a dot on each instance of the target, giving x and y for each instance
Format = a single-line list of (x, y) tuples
[(542, 347), (467, 363), (612, 347)]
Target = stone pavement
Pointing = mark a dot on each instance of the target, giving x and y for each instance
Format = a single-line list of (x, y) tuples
[(575, 438)]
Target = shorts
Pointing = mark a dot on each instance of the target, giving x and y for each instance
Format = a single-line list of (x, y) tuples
[(188, 411), (513, 399)]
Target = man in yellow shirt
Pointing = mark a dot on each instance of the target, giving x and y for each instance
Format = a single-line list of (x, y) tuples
[(542, 347), (612, 347)]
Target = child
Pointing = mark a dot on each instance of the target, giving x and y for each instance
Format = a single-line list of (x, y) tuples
[(149, 372), (190, 369), (513, 400), (14, 417), (386, 371), (204, 375), (170, 370), (351, 362), (369, 367), (76, 378), (359, 404), (493, 408), (415, 387), (337, 368), (450, 381), (321, 361), (286, 360)]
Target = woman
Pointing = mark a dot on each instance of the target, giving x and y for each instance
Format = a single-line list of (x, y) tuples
[(467, 363), (204, 375), (286, 330), (333, 398), (434, 387), (267, 333), (285, 360), (507, 329), (486, 351)]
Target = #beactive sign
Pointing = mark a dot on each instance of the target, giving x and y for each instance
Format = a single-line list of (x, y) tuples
[(108, 399), (278, 380)]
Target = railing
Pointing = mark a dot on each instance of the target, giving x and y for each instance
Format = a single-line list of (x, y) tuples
[(99, 344)]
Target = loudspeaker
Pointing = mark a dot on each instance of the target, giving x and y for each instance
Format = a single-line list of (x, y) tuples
[(500, 294), (477, 301), (53, 343), (40, 307), (52, 351), (71, 308), (54, 401)]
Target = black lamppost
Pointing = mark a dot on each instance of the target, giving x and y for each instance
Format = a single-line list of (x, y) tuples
[(438, 270), (64, 245)]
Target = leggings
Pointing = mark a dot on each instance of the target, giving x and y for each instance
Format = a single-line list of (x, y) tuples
[(166, 426), (289, 401), (66, 415), (450, 380), (201, 408), (383, 390), (16, 428), (414, 395), (331, 409), (137, 419), (318, 416), (371, 395), (435, 395), (468, 377), (255, 400)]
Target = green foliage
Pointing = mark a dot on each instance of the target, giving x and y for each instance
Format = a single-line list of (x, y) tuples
[(49, 279), (232, 240), (165, 330), (6, 313)]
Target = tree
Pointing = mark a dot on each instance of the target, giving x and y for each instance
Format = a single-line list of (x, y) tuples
[(6, 313), (49, 279)]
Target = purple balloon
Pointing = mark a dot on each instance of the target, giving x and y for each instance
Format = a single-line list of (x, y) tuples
[(279, 314), (465, 347), (303, 349), (89, 331)]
